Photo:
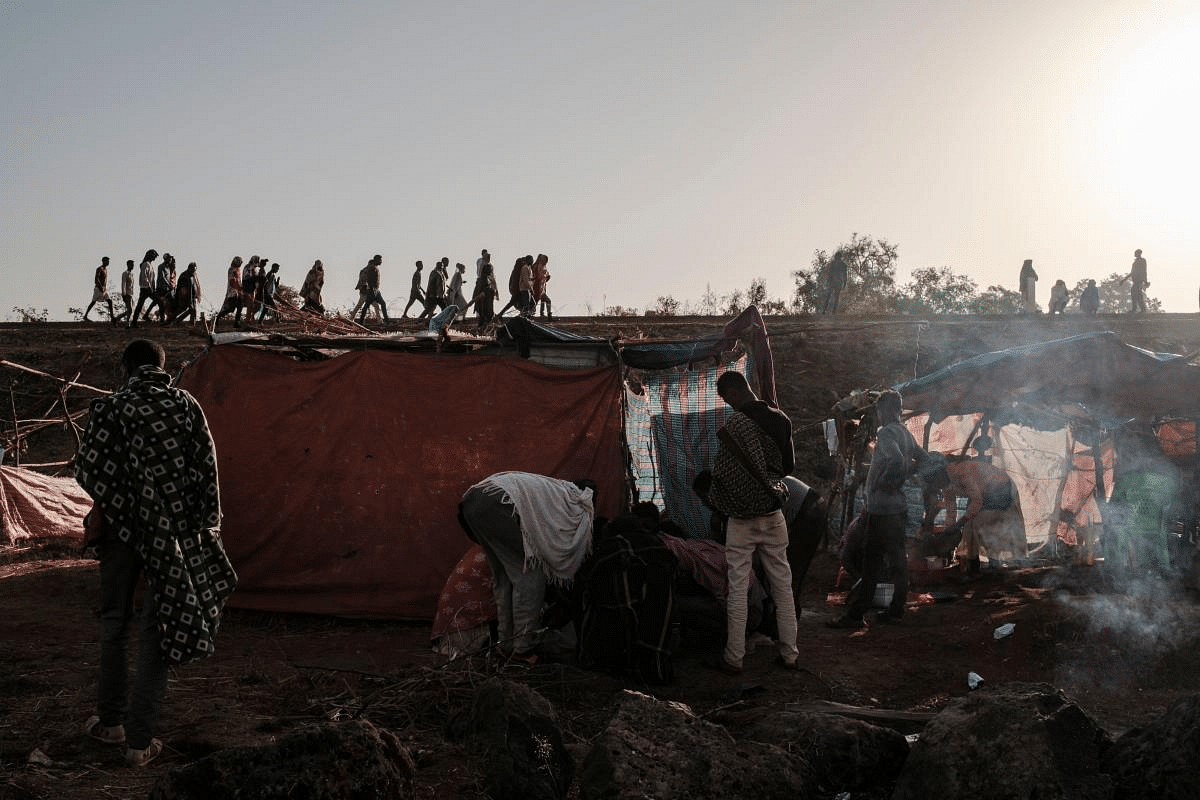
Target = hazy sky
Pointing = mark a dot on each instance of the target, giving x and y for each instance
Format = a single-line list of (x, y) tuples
[(649, 148)]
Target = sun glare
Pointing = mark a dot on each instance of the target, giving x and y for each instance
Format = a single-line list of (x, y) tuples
[(1145, 133)]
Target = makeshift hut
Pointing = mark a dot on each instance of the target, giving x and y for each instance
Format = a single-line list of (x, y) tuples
[(1053, 412), (342, 459)]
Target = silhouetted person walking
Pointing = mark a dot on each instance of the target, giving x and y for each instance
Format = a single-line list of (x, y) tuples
[(100, 292)]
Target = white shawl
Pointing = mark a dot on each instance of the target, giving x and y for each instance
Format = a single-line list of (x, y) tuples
[(556, 520)]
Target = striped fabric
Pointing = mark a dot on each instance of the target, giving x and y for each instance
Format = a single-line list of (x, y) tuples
[(671, 431)]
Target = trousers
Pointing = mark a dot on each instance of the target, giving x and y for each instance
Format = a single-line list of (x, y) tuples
[(120, 568), (769, 537)]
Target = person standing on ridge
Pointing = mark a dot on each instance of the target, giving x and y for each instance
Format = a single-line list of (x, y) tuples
[(145, 285), (374, 296), (541, 276), (1137, 283), (314, 282), (1089, 299), (1028, 287), (233, 294), (187, 295), (415, 293), (435, 293), (100, 292), (835, 282), (127, 290), (1059, 296), (456, 281), (270, 285)]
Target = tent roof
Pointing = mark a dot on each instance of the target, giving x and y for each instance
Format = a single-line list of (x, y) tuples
[(1097, 371)]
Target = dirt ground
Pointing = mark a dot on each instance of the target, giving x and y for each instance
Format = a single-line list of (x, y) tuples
[(1123, 653)]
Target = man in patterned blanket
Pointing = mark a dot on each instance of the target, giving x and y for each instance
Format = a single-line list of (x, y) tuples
[(753, 456), (149, 463)]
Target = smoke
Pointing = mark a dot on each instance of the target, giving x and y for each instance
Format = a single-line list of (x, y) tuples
[(1126, 633)]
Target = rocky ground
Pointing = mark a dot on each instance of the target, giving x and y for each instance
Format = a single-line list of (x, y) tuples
[(1122, 655)]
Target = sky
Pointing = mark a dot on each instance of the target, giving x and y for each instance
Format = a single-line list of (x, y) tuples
[(650, 149)]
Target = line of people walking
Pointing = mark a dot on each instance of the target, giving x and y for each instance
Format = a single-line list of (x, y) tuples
[(171, 297), (442, 297), (252, 288), (163, 290)]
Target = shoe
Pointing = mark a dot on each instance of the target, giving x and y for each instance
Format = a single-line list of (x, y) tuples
[(114, 734), (140, 758), (722, 666), (887, 617), (847, 623), (788, 665)]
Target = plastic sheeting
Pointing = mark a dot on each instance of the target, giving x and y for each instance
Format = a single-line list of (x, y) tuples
[(1096, 371), (340, 479), (36, 506), (671, 431), (1052, 471)]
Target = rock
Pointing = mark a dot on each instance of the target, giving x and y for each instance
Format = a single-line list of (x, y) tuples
[(1006, 741), (663, 750), (838, 754), (1159, 760), (519, 742), (333, 761)]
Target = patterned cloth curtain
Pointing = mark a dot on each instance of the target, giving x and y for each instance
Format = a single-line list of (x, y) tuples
[(671, 430)]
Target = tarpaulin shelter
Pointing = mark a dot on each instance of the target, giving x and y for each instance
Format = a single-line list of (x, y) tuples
[(1051, 410), (36, 507), (340, 476), (673, 411)]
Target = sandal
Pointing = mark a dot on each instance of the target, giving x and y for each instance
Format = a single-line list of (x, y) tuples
[(109, 734), (524, 659), (140, 758)]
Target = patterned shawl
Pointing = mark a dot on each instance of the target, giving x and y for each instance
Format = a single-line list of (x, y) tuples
[(738, 491), (149, 462)]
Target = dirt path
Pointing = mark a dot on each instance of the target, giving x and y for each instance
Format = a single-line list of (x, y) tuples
[(1123, 658)]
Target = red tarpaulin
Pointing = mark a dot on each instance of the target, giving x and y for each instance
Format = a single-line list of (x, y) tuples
[(340, 479)]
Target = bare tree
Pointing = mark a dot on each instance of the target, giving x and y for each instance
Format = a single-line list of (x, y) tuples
[(666, 306)]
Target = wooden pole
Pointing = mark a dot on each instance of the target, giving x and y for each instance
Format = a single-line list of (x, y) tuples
[(52, 405), (11, 365), (70, 423), (12, 398)]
